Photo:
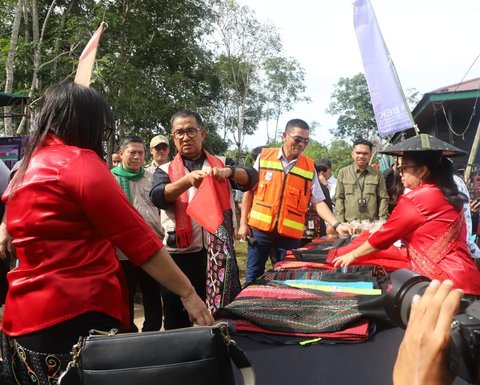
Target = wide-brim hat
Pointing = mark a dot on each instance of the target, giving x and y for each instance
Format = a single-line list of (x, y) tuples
[(423, 143)]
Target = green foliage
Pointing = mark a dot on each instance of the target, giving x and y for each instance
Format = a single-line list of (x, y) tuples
[(351, 102), (157, 57), (285, 85)]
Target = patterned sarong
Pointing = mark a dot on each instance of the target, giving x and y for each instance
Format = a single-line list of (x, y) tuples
[(22, 366), (223, 282)]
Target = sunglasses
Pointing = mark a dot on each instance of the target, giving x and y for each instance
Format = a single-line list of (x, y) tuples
[(299, 139)]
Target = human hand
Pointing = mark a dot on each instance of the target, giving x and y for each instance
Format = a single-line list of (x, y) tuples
[(195, 177), (474, 205), (322, 179), (197, 309), (6, 246), (422, 357), (243, 231), (221, 173), (344, 260), (344, 229)]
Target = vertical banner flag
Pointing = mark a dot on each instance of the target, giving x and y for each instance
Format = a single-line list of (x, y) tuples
[(389, 104), (87, 59)]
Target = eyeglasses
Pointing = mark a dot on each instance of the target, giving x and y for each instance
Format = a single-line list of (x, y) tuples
[(161, 147), (299, 139), (401, 169), (191, 133)]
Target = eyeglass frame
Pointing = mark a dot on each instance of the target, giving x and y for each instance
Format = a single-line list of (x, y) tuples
[(401, 168), (299, 139), (180, 134)]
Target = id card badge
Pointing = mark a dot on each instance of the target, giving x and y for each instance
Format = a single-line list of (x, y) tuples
[(268, 175)]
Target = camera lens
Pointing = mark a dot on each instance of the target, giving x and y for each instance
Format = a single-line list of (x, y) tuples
[(404, 285)]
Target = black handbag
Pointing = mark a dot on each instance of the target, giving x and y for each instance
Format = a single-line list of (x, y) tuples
[(195, 355)]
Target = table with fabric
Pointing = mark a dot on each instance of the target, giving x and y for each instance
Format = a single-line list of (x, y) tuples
[(366, 363), (280, 359)]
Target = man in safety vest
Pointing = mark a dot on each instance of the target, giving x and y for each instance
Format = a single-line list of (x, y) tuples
[(273, 214)]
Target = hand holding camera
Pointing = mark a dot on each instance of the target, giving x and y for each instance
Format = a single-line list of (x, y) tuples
[(423, 355)]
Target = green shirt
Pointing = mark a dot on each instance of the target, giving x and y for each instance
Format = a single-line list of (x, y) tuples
[(354, 185)]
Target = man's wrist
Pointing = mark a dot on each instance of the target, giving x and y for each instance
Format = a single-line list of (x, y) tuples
[(338, 223)]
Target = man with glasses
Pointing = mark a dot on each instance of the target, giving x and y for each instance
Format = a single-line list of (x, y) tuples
[(159, 149), (273, 214), (173, 188), (361, 192)]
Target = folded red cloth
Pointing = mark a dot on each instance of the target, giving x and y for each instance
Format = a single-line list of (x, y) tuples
[(208, 204), (357, 332), (391, 259)]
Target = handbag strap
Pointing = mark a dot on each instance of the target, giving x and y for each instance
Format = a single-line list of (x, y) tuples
[(237, 355)]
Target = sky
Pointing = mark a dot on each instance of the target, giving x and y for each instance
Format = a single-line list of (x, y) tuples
[(433, 43)]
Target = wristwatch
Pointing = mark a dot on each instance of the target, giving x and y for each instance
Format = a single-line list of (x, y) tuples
[(336, 225)]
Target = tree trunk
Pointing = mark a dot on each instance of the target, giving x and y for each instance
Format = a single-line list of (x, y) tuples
[(37, 54), (9, 68), (61, 26)]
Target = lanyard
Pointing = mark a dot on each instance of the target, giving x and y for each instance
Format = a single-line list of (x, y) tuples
[(358, 182)]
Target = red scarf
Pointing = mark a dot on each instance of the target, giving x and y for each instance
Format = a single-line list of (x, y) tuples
[(183, 224)]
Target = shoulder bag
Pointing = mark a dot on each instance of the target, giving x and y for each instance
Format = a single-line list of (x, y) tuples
[(195, 355)]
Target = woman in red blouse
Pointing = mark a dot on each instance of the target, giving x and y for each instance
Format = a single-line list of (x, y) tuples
[(66, 214), (430, 222)]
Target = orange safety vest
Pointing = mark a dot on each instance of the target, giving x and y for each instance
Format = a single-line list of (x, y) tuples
[(281, 200)]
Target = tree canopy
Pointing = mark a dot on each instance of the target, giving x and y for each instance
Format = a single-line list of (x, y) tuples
[(155, 58)]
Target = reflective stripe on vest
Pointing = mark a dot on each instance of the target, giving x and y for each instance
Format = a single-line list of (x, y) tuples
[(271, 164), (294, 225), (303, 173), (260, 216)]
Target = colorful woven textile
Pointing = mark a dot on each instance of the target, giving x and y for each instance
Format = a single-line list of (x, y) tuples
[(293, 310), (223, 282)]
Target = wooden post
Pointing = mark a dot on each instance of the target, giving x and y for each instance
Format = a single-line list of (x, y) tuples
[(473, 154)]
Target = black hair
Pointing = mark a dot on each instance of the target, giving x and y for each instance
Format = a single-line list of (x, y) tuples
[(395, 188), (131, 139), (186, 114), (291, 124), (323, 164), (76, 114), (441, 172), (363, 142)]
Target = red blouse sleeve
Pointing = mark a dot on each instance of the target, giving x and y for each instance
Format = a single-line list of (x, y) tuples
[(403, 221), (89, 181)]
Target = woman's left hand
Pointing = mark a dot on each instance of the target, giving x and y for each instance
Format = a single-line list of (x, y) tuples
[(344, 260), (197, 309)]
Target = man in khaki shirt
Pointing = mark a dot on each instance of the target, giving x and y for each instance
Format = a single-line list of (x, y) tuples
[(159, 149), (361, 193)]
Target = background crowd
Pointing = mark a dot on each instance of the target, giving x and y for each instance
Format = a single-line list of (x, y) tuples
[(85, 236)]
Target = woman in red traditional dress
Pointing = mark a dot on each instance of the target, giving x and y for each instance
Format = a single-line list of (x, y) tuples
[(66, 214), (429, 219)]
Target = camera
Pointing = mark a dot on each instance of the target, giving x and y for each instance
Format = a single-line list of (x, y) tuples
[(464, 350)]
